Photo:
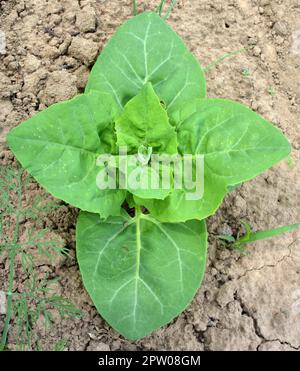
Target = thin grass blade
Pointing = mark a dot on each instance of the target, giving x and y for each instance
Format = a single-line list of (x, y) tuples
[(160, 7), (134, 7), (222, 58), (270, 233), (173, 3)]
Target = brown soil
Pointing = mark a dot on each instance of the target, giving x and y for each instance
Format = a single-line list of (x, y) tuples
[(247, 302)]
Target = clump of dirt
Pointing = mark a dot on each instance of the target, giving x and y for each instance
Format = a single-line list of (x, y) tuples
[(249, 302)]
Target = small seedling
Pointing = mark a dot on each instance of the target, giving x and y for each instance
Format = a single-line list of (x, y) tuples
[(142, 250), (290, 162), (239, 243), (24, 309), (271, 91), (60, 346), (245, 72)]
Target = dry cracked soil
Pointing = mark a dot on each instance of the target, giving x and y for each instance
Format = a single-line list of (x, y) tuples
[(247, 302)]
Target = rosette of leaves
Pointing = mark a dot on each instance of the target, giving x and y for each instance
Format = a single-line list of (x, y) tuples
[(146, 89)]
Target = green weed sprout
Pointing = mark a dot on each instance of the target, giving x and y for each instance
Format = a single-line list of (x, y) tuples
[(239, 243), (24, 309), (245, 72)]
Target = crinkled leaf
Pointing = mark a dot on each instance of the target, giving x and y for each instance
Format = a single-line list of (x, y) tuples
[(140, 273), (237, 145), (144, 122), (146, 49), (59, 148)]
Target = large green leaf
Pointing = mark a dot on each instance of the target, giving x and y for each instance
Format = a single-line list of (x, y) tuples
[(144, 122), (59, 148), (146, 49), (237, 145), (140, 273)]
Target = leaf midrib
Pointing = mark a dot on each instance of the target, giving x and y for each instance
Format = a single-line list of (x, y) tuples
[(136, 220), (138, 259)]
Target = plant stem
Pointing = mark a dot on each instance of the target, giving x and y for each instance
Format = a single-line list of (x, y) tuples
[(160, 7), (170, 9), (134, 7), (12, 257), (138, 211)]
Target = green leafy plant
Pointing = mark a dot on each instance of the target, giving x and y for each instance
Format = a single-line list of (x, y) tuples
[(142, 252), (239, 242), (271, 91), (37, 300), (245, 72)]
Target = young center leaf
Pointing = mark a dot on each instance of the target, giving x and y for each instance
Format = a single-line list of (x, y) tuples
[(146, 49), (237, 145), (144, 129), (59, 148), (144, 122), (140, 273)]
